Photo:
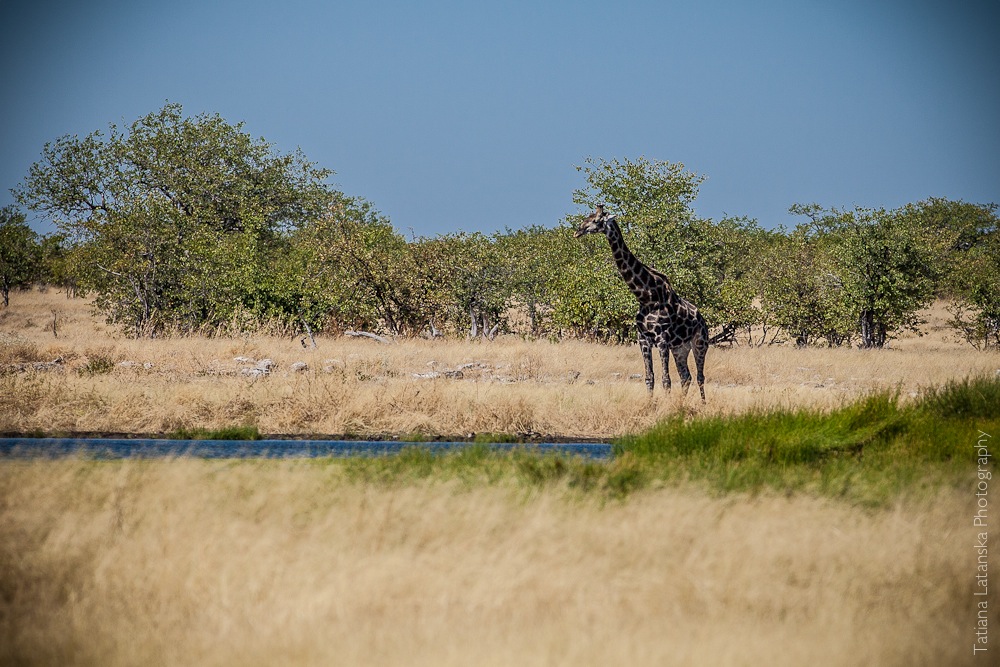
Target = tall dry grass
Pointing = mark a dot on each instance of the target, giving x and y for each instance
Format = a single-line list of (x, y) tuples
[(184, 562), (191, 562), (108, 382)]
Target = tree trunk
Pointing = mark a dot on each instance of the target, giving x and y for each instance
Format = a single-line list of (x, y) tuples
[(873, 332), (308, 332)]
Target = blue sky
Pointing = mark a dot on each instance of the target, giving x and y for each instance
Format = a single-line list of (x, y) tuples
[(472, 116)]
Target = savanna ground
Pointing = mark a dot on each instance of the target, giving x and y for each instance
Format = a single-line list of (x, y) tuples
[(485, 559), (358, 387)]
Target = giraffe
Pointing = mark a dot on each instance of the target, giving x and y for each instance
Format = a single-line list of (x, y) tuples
[(665, 320)]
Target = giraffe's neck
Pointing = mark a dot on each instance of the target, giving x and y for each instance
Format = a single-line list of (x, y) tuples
[(640, 280)]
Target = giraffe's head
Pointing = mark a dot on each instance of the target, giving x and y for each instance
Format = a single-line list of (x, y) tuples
[(595, 223)]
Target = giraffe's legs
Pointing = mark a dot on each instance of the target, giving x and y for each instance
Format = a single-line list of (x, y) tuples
[(681, 359), (646, 345), (665, 358)]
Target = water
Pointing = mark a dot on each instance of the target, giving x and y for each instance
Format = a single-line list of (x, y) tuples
[(117, 448)]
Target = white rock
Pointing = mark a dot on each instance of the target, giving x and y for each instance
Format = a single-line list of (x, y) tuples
[(262, 368)]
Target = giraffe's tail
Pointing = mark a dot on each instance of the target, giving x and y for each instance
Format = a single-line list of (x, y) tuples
[(700, 350)]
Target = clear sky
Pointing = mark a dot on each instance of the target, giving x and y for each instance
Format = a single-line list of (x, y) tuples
[(465, 115)]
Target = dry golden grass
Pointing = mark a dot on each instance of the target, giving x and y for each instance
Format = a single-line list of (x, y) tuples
[(183, 562), (190, 562), (360, 387)]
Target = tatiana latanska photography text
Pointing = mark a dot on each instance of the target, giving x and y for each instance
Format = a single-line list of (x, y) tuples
[(980, 522)]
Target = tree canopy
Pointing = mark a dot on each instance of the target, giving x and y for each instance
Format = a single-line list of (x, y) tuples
[(184, 224), (177, 219), (19, 252)]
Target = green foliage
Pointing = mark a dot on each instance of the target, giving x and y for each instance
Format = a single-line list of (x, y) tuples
[(801, 288), (956, 227), (358, 271), (468, 278), (968, 260), (176, 219), (884, 264), (190, 224), (716, 264), (652, 200), (646, 193), (887, 271), (592, 301), (58, 263), (867, 451), (537, 258), (98, 363), (246, 432), (20, 254)]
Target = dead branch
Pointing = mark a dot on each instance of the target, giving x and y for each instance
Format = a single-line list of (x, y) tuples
[(367, 334)]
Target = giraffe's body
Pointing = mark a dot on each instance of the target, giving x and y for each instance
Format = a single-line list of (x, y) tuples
[(665, 320)]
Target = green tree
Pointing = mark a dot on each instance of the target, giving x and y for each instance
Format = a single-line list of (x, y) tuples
[(175, 218), (56, 263), (644, 192), (19, 252), (968, 255), (802, 290), (886, 264), (536, 260), (360, 272), (957, 227), (469, 279), (652, 199), (976, 307), (592, 301), (716, 264)]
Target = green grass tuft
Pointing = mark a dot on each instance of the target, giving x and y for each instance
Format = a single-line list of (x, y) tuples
[(868, 451), (971, 398), (97, 364), (247, 432)]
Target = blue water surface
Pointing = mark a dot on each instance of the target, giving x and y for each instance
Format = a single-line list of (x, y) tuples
[(117, 448)]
